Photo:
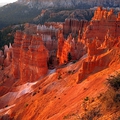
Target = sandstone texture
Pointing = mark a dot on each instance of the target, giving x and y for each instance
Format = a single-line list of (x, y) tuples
[(103, 22), (70, 48), (6, 56), (29, 90), (48, 33), (29, 57), (101, 36), (74, 26)]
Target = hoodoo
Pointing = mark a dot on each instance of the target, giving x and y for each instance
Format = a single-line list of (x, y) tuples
[(102, 21), (59, 71), (29, 57)]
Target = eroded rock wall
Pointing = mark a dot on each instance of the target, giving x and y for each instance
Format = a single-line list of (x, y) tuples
[(29, 57), (104, 21)]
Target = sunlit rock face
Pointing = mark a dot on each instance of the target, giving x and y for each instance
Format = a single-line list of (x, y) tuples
[(102, 22), (49, 35), (70, 40), (101, 36), (29, 57), (75, 39), (16, 54), (74, 26), (48, 32), (95, 59), (43, 29), (70, 49), (7, 55), (8, 59)]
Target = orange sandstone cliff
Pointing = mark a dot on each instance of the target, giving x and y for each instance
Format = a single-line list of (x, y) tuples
[(102, 22), (29, 57), (67, 90), (72, 25)]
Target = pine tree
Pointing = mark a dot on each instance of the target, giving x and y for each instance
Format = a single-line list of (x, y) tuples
[(69, 56)]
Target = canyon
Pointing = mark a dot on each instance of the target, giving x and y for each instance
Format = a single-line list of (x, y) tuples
[(51, 69)]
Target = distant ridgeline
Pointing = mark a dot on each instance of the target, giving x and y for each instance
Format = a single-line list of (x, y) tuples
[(31, 11), (26, 10), (70, 3), (18, 13)]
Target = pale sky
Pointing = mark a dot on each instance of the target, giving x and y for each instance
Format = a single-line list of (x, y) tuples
[(7, 1)]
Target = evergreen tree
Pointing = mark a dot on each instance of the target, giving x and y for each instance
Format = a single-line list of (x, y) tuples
[(69, 56)]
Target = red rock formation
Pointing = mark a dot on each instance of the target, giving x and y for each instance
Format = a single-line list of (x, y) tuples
[(101, 36), (6, 49), (29, 64), (7, 55), (64, 47), (30, 28), (73, 26), (103, 21), (60, 44), (56, 25), (29, 57), (48, 32), (7, 60), (3, 90), (50, 44), (70, 46), (42, 29), (76, 48), (16, 54), (81, 47), (65, 50), (98, 62), (118, 18)]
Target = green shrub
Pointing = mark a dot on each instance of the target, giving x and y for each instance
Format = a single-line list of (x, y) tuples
[(69, 56), (69, 72), (34, 93), (6, 106), (86, 99), (114, 81), (118, 118), (59, 77), (26, 104)]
